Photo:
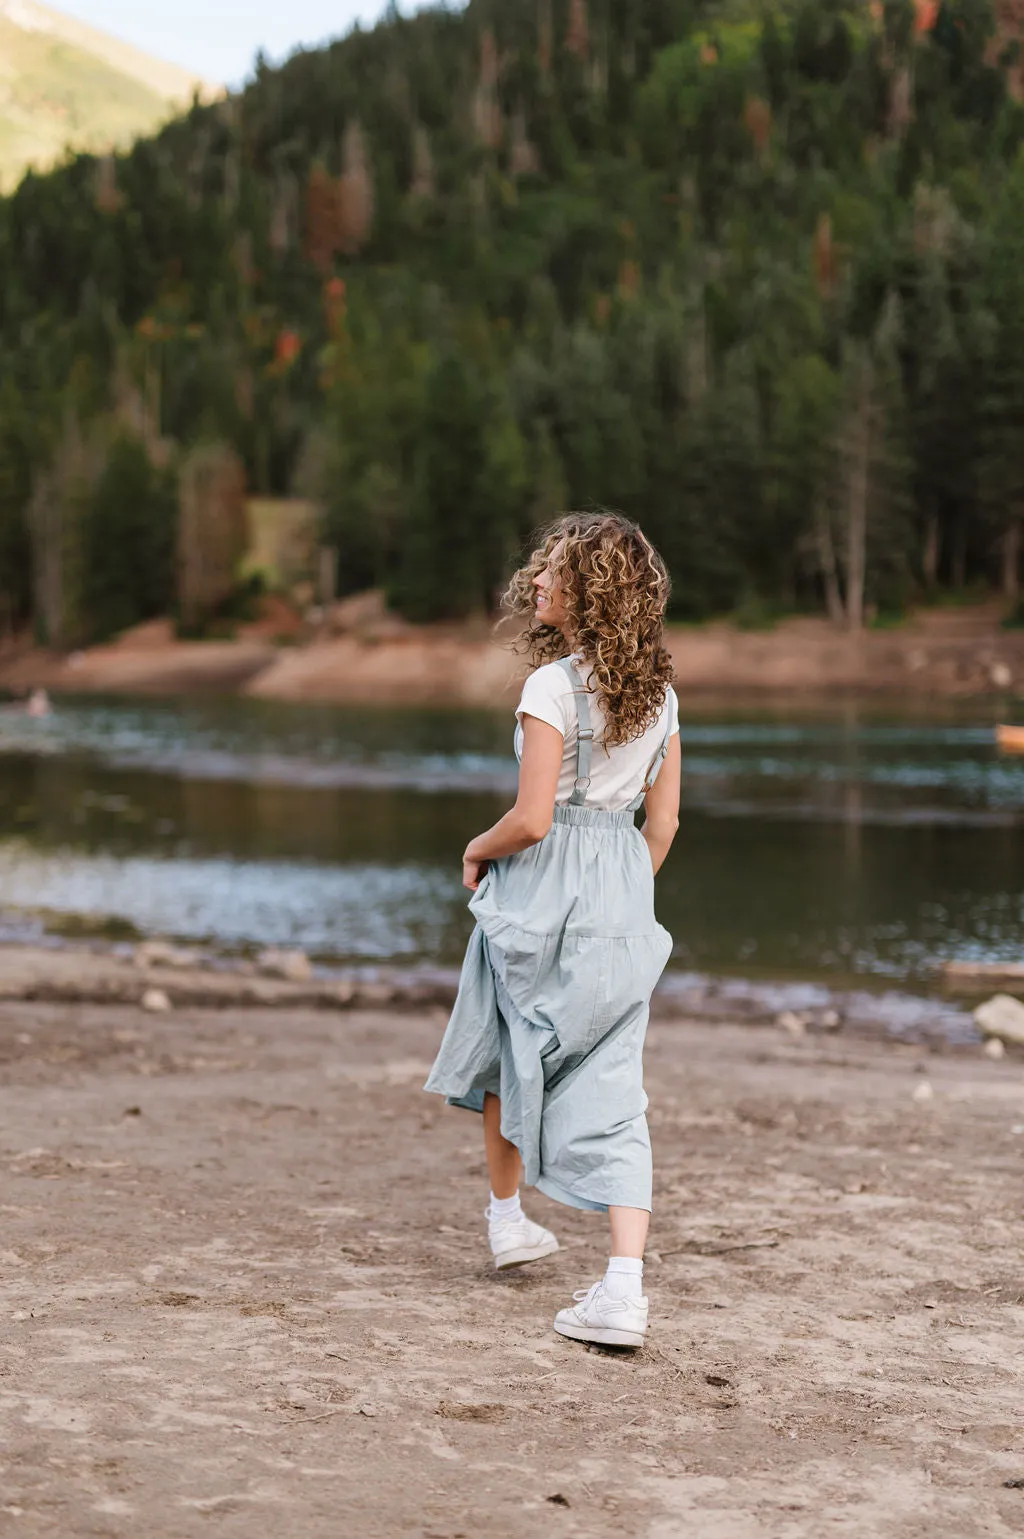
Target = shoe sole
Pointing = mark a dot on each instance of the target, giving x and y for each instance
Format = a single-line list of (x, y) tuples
[(523, 1257), (601, 1335)]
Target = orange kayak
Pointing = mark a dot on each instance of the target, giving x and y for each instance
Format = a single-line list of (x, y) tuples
[(1010, 739)]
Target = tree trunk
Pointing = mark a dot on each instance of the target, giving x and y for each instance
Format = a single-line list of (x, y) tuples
[(857, 528), (1011, 560), (958, 574), (829, 570), (327, 575), (930, 558)]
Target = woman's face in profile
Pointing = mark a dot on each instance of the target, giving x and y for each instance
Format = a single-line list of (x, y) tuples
[(550, 596)]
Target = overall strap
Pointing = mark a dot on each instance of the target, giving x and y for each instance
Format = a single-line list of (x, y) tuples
[(656, 763), (585, 737)]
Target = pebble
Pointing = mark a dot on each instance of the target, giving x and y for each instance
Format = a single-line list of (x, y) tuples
[(994, 1048), (159, 953), (156, 1001), (294, 966), (923, 1092), (789, 1021)]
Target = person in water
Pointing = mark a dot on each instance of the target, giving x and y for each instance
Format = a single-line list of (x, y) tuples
[(547, 1032)]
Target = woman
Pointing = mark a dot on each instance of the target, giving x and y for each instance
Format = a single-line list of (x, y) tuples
[(547, 1032)]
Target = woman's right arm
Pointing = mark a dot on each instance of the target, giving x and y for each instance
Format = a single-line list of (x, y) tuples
[(529, 820), (661, 804)]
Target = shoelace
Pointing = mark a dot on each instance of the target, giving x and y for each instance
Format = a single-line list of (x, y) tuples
[(584, 1296)]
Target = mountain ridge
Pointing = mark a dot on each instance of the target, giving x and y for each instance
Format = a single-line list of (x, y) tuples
[(65, 84)]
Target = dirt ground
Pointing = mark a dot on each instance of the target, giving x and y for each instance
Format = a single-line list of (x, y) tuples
[(246, 1292), (940, 653)]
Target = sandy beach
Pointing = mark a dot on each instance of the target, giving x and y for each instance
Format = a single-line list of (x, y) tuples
[(942, 653), (246, 1291)]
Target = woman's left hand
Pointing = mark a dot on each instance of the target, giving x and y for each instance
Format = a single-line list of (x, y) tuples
[(473, 872)]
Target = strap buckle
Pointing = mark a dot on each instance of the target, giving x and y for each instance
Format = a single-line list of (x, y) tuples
[(586, 734)]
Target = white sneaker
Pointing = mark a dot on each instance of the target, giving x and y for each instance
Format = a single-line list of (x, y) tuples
[(515, 1241), (610, 1322)]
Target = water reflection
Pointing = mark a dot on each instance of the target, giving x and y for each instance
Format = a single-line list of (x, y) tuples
[(842, 844)]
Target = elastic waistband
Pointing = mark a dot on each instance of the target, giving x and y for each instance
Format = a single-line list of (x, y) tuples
[(593, 817)]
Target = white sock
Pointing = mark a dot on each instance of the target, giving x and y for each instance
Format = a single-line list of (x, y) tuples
[(504, 1208), (624, 1278)]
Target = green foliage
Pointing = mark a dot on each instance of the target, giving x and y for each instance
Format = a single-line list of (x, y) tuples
[(128, 541), (15, 494), (1014, 621), (752, 277), (443, 571)]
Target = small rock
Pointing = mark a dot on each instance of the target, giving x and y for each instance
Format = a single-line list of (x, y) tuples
[(156, 1001), (158, 953), (789, 1021), (1000, 675), (133, 1111), (345, 992), (830, 1020), (294, 966), (923, 1092), (1001, 1016), (994, 1048), (558, 1500)]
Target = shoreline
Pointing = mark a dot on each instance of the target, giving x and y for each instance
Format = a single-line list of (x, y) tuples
[(56, 969), (936, 654), (246, 1282)]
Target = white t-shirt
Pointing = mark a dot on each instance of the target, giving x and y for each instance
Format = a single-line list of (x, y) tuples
[(617, 774)]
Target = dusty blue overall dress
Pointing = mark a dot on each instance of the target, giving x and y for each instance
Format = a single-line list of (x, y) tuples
[(554, 995)]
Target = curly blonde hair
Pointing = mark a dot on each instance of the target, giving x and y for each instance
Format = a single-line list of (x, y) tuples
[(616, 588)]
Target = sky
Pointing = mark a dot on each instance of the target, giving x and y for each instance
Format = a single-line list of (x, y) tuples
[(218, 39)]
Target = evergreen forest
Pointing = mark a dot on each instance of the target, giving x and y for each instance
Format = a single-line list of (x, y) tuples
[(750, 273)]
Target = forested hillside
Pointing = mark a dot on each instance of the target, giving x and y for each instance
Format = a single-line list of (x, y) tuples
[(752, 276)]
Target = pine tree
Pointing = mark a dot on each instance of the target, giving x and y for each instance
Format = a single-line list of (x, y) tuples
[(1002, 470), (444, 572), (129, 539)]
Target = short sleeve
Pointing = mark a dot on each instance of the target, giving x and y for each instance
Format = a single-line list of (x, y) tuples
[(547, 694), (673, 712)]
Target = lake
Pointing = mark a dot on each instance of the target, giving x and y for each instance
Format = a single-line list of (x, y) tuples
[(844, 845)]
